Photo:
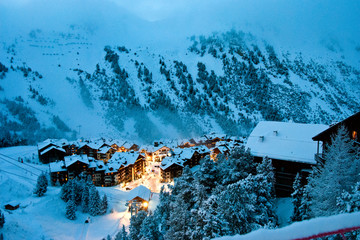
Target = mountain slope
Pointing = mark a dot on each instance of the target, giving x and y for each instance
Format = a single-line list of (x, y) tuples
[(151, 83)]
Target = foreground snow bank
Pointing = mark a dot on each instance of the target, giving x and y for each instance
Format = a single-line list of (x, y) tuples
[(303, 229)]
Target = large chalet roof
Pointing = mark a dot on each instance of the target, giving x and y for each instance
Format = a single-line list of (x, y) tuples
[(141, 192), (352, 120), (52, 148), (69, 160), (125, 158), (169, 161), (58, 166), (285, 141)]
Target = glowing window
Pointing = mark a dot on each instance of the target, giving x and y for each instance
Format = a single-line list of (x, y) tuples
[(354, 135)]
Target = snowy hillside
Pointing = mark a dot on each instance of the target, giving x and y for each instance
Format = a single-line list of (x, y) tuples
[(145, 73)]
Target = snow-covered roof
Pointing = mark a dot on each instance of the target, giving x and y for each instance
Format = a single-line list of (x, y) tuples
[(104, 149), (58, 166), (141, 192), (69, 160), (125, 158), (51, 148), (169, 161), (285, 141), (46, 143)]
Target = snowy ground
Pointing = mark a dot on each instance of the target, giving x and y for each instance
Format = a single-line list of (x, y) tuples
[(44, 217)]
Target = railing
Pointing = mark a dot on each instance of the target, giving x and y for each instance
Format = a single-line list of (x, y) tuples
[(319, 158), (340, 231)]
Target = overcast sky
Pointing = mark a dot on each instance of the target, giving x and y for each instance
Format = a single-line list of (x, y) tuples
[(281, 21)]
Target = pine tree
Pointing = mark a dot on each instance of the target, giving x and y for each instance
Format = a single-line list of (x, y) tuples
[(304, 208), (149, 228), (41, 185), (71, 207), (122, 235), (162, 211), (94, 202), (350, 201), (78, 185), (66, 190), (207, 174), (237, 206), (296, 199), (339, 173), (85, 199), (104, 205), (2, 219), (135, 225)]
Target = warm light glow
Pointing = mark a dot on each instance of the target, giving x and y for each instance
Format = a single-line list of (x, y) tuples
[(354, 135), (145, 204)]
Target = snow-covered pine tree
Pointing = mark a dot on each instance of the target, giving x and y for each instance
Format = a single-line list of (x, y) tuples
[(150, 228), (2, 219), (296, 199), (207, 174), (350, 201), (66, 190), (135, 225), (94, 201), (340, 172), (179, 220), (122, 235), (237, 206), (266, 168), (71, 207), (239, 165), (264, 215), (214, 226), (79, 185), (162, 211), (104, 205), (41, 185), (304, 208), (85, 199)]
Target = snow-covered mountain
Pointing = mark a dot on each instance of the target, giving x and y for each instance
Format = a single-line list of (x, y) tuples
[(148, 71)]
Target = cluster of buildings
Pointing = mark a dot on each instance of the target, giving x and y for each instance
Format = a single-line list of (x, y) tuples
[(293, 147), (115, 162)]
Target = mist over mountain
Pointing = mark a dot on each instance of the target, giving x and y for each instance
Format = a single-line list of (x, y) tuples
[(148, 70)]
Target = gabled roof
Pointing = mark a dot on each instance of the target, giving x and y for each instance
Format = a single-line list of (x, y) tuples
[(104, 149), (125, 158), (170, 161), (58, 166), (141, 192), (285, 141), (52, 148), (69, 160), (333, 129)]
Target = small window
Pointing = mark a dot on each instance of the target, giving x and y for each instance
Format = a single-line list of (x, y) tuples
[(354, 135)]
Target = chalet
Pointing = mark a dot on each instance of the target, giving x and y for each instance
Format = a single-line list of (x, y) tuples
[(352, 124), (12, 205), (91, 148), (139, 199), (50, 151), (160, 152), (219, 149), (129, 166), (171, 167), (76, 164), (58, 173), (104, 153), (98, 173), (290, 147)]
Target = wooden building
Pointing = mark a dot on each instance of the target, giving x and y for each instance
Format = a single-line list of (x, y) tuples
[(290, 147), (171, 168), (138, 199), (352, 125)]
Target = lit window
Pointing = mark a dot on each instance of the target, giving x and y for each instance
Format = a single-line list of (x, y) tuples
[(354, 135)]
